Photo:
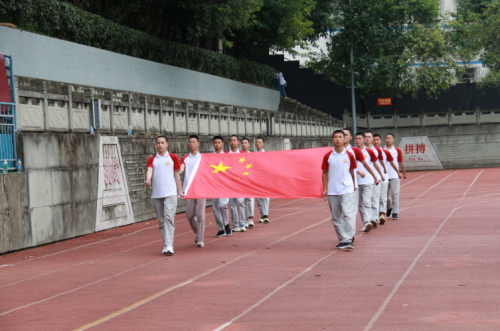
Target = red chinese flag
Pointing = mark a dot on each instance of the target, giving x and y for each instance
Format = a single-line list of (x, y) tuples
[(280, 174)]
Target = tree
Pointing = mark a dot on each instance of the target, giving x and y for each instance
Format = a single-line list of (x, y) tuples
[(471, 6), (427, 59), (194, 22), (463, 35), (378, 32), (491, 43), (279, 25)]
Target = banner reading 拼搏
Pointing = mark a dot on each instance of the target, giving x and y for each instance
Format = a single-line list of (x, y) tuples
[(419, 154)]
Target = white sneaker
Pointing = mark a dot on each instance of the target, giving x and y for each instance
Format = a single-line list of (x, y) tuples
[(368, 226), (169, 250), (250, 223), (243, 229), (236, 229), (164, 251), (247, 223), (200, 244)]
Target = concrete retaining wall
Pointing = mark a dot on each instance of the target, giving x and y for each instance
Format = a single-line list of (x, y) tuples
[(46, 58), (463, 146), (55, 198)]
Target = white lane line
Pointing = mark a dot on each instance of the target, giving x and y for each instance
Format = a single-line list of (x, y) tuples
[(140, 266), (443, 201), (412, 265), (411, 181), (430, 188), (125, 235), (88, 261), (159, 294), (258, 303)]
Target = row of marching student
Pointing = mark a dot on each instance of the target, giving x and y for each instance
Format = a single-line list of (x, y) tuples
[(163, 173), (365, 178)]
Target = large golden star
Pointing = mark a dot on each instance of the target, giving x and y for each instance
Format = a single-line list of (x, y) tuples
[(220, 167)]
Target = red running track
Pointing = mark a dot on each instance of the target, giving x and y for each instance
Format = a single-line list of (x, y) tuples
[(436, 268)]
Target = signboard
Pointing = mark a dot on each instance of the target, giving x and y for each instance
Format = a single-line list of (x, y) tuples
[(419, 154), (113, 202), (384, 101)]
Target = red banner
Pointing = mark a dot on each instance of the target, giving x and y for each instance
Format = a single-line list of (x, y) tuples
[(384, 101), (281, 174), (4, 84)]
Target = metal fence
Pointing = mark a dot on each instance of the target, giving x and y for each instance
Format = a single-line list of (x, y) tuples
[(8, 121)]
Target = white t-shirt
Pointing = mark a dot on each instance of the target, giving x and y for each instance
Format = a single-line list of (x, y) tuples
[(338, 166), (189, 162), (377, 155), (163, 179), (358, 156), (369, 158), (397, 155)]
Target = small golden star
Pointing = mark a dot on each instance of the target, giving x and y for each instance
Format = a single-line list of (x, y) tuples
[(220, 167), (242, 160), (245, 174), (248, 166)]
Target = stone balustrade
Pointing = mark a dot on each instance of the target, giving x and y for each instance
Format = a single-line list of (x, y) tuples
[(449, 118), (46, 106)]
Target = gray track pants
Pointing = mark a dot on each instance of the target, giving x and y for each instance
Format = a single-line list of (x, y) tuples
[(341, 208), (237, 212), (383, 197), (165, 210), (195, 212), (375, 202), (221, 212), (393, 199), (249, 207), (355, 210), (263, 204), (365, 202)]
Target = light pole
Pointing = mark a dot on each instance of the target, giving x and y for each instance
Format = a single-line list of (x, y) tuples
[(353, 94)]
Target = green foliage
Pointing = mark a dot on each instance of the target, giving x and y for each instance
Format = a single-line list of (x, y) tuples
[(471, 6), (279, 25), (67, 22), (435, 67), (384, 36), (491, 42)]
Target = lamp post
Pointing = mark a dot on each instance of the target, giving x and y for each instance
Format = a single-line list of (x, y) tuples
[(353, 94)]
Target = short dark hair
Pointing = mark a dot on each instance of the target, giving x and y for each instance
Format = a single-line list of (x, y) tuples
[(338, 131), (195, 136), (390, 134), (166, 139), (259, 137), (233, 135), (347, 129), (245, 138), (360, 134), (218, 137), (369, 133), (377, 135)]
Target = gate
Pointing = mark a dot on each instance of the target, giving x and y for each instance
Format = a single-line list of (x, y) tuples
[(8, 121)]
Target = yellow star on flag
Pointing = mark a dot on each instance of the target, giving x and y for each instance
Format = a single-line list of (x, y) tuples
[(242, 160), (245, 174), (248, 166), (220, 167)]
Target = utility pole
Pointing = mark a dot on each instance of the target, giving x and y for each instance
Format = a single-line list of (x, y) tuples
[(353, 93)]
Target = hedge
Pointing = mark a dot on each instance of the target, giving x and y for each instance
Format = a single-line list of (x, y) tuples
[(65, 21)]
